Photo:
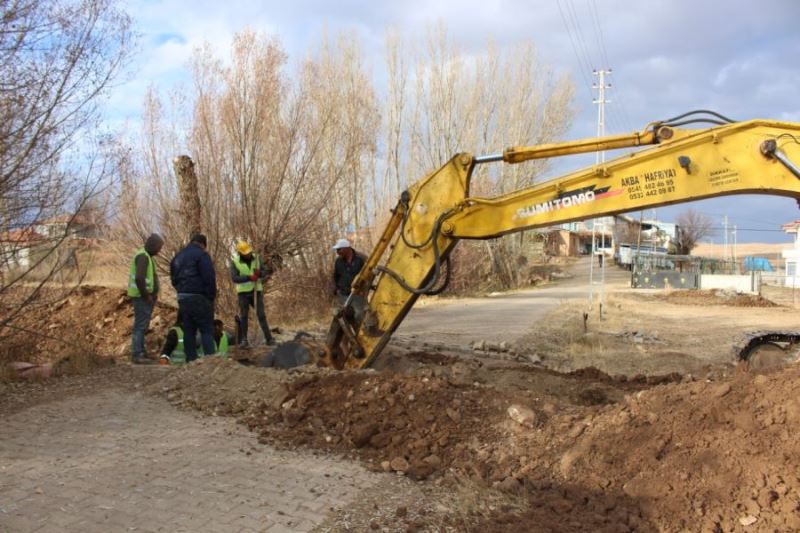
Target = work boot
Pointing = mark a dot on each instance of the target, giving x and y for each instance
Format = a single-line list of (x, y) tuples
[(271, 341), (244, 345), (143, 361)]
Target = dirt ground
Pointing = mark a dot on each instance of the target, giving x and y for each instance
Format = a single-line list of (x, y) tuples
[(634, 421)]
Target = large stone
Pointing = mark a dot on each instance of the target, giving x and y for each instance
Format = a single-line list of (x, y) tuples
[(360, 435), (522, 415), (748, 520), (399, 464), (721, 390)]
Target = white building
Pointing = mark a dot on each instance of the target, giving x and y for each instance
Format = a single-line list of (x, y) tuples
[(791, 256)]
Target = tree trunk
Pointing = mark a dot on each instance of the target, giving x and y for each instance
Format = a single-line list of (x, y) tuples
[(189, 194)]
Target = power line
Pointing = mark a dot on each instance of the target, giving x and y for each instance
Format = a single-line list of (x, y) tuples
[(575, 48), (623, 119), (592, 5)]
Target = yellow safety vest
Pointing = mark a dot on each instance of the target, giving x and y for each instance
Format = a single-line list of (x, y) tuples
[(178, 356), (247, 270), (150, 280)]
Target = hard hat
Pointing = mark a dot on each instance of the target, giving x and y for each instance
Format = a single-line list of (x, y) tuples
[(342, 243), (244, 248)]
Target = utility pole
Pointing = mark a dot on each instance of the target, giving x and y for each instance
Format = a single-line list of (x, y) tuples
[(725, 245), (601, 102), (735, 260)]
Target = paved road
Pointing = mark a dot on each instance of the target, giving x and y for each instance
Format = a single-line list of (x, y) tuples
[(505, 317), (119, 461)]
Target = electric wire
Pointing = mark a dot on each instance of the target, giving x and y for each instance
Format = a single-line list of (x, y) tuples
[(574, 48)]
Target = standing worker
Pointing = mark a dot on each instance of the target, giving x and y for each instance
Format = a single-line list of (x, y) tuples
[(143, 290), (249, 274), (195, 281), (347, 266)]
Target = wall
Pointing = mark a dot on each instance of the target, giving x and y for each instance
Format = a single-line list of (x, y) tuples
[(744, 283)]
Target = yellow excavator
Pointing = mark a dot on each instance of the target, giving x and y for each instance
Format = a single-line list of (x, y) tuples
[(677, 164)]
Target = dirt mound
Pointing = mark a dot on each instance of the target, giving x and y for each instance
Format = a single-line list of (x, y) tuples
[(696, 455), (96, 319), (710, 456), (407, 423), (434, 419), (716, 297)]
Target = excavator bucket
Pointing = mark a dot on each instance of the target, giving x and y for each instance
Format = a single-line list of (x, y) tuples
[(302, 350)]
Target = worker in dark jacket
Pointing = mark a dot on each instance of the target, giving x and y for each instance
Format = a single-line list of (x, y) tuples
[(347, 266), (195, 281), (248, 274), (143, 291)]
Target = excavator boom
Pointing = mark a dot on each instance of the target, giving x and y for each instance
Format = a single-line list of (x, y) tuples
[(680, 165)]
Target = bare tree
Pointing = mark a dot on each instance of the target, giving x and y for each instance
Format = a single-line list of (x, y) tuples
[(281, 160), (482, 103), (57, 59), (692, 227)]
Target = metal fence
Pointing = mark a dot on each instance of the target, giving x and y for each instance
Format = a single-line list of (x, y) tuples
[(686, 264)]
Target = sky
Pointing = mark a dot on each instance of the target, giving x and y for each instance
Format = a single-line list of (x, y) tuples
[(737, 57)]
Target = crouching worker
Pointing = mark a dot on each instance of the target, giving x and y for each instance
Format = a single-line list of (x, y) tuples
[(222, 339), (173, 353)]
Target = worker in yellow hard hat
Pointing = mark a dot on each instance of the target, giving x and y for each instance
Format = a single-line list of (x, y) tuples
[(248, 274)]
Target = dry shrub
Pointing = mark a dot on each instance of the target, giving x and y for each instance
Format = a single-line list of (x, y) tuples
[(79, 360)]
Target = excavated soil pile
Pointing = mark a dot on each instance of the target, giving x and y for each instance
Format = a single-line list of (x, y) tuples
[(717, 297), (698, 456), (91, 318), (443, 416), (706, 456)]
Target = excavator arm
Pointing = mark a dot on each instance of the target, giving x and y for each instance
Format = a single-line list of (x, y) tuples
[(679, 165)]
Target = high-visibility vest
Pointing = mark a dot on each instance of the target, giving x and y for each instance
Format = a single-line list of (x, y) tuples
[(150, 280), (247, 270), (221, 346), (178, 356)]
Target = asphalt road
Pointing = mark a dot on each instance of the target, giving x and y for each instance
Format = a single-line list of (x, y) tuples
[(501, 317)]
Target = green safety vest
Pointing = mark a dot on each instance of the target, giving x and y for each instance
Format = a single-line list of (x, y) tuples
[(178, 356), (222, 347), (247, 270), (150, 280)]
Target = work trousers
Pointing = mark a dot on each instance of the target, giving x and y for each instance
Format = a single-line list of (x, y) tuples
[(142, 311), (246, 301), (197, 313)]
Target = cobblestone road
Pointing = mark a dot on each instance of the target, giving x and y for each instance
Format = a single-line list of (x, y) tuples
[(120, 461)]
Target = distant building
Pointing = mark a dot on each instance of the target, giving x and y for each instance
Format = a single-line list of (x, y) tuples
[(791, 256), (18, 246), (69, 226)]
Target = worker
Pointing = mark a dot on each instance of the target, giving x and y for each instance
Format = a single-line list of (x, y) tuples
[(347, 266), (173, 352), (221, 338), (195, 281), (248, 274), (143, 291)]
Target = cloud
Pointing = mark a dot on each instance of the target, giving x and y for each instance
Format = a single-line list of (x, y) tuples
[(738, 58)]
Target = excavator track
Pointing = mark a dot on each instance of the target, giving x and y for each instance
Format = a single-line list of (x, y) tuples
[(764, 349)]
